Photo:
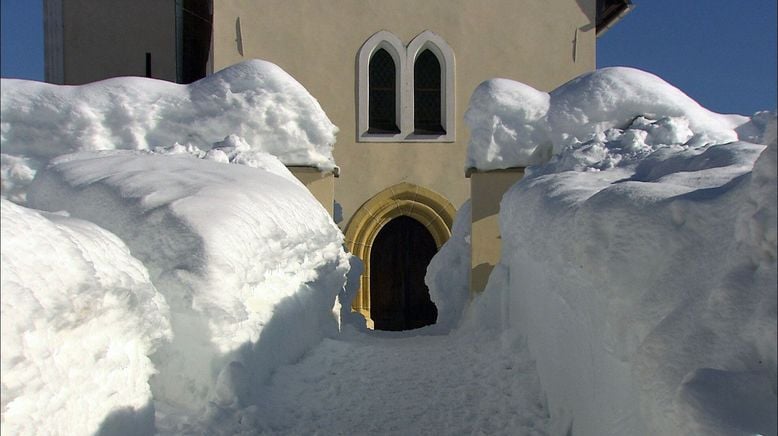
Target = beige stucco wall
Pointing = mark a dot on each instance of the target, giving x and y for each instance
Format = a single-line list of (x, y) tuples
[(321, 184), (542, 43), (110, 38), (317, 42), (487, 190)]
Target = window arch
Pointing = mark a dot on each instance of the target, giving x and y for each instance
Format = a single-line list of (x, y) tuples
[(424, 108)]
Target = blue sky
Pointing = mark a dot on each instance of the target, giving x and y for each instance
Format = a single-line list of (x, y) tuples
[(720, 52)]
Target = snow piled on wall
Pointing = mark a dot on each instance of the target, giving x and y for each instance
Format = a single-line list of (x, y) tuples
[(639, 263), (515, 125), (80, 318), (448, 274), (249, 262), (255, 100), (178, 262), (508, 126)]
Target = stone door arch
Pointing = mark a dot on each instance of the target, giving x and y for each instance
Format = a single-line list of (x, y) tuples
[(429, 208)]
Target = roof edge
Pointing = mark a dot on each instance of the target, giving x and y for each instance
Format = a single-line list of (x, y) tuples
[(610, 12)]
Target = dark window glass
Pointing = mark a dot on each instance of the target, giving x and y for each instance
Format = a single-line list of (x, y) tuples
[(382, 117), (426, 95)]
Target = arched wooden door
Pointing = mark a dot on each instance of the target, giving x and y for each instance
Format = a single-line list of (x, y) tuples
[(398, 262)]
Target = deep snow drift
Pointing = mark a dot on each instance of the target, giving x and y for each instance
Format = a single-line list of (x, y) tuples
[(515, 125), (448, 274), (639, 271), (640, 262), (79, 319), (255, 100), (246, 259)]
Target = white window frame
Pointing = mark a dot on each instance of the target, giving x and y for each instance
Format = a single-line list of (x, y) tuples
[(392, 44), (428, 40), (404, 59)]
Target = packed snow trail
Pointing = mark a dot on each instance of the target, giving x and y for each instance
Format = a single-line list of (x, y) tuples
[(398, 384)]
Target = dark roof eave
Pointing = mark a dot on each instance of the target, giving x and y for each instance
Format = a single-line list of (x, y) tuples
[(617, 10)]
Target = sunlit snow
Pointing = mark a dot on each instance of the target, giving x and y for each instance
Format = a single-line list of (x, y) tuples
[(163, 272), (255, 101), (639, 262)]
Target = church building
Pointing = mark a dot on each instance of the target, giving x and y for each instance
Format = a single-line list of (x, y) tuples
[(394, 76)]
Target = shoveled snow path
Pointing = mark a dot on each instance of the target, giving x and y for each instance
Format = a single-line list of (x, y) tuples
[(365, 383)]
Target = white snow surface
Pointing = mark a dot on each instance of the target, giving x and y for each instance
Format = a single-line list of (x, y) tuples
[(515, 125), (254, 100), (402, 384), (249, 262), (508, 126), (639, 263), (448, 274), (80, 319), (636, 294)]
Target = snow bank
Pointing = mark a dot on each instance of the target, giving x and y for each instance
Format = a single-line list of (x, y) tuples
[(448, 274), (254, 100), (501, 114), (612, 97), (249, 262), (639, 263), (80, 319), (515, 125)]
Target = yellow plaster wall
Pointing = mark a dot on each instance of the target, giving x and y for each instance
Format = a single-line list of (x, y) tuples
[(318, 42), (321, 184), (487, 190)]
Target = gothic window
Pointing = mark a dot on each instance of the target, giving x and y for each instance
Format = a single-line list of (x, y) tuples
[(405, 93), (382, 117), (426, 95)]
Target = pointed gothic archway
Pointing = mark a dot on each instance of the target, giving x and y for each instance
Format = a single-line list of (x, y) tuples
[(430, 210), (399, 298)]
